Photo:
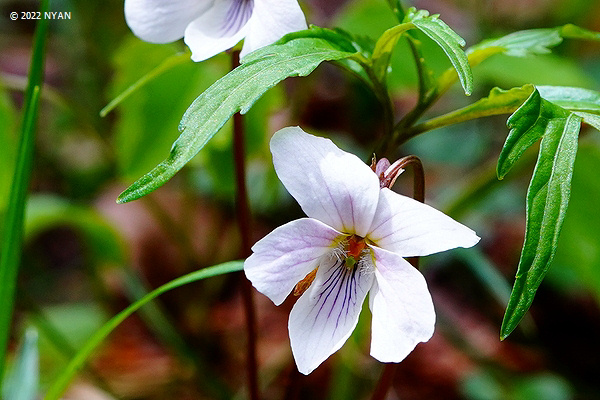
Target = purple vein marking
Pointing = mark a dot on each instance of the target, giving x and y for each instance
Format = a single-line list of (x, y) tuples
[(238, 14), (342, 279)]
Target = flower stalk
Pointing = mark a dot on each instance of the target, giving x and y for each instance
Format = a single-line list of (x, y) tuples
[(387, 376), (244, 225)]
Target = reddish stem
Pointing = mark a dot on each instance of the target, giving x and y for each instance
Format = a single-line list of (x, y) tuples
[(244, 224), (385, 381), (419, 176), (387, 376)]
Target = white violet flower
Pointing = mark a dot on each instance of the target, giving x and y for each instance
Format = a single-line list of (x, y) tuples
[(353, 243), (212, 26)]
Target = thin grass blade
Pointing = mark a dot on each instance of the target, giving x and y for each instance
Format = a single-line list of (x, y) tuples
[(61, 383), (13, 225)]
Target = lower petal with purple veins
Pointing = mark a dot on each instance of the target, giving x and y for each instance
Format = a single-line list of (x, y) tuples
[(324, 317)]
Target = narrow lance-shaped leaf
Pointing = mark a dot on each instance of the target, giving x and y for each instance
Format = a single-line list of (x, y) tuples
[(520, 44), (385, 46), (528, 42), (583, 102), (590, 119), (435, 29), (572, 98), (236, 91), (449, 41), (547, 196), (527, 126)]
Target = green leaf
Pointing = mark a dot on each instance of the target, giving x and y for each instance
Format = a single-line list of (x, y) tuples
[(371, 18), (448, 40), (518, 44), (575, 266), (527, 124), (10, 246), (498, 102), (23, 380), (528, 42), (342, 39), (236, 91), (435, 29), (547, 196), (384, 49), (590, 119), (339, 38), (385, 46), (61, 383), (572, 98)]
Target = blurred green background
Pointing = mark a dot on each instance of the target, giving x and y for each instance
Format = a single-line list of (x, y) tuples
[(85, 257)]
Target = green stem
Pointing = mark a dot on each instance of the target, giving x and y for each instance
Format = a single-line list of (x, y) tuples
[(423, 72), (452, 118), (13, 228), (382, 94), (404, 129), (166, 65), (428, 94)]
